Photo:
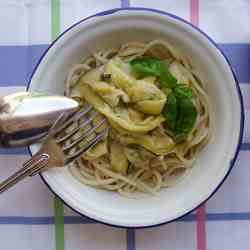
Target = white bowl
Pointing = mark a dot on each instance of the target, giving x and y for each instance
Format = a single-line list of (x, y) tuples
[(109, 29)]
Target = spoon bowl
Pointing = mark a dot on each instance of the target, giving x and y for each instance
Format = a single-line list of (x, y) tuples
[(25, 117)]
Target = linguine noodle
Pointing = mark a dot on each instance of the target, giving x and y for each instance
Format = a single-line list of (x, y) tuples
[(139, 153)]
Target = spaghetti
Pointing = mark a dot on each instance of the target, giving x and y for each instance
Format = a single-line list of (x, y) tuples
[(158, 118)]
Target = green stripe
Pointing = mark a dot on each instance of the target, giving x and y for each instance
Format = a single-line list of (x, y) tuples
[(58, 205), (55, 19), (59, 223)]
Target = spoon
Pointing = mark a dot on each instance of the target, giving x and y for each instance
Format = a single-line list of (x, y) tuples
[(25, 117)]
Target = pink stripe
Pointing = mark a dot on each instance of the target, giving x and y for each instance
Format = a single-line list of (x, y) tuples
[(194, 11), (201, 228), (201, 212)]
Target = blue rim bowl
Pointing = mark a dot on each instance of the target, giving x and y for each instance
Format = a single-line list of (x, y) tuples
[(110, 12)]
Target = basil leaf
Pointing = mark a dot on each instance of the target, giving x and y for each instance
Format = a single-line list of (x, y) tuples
[(183, 91), (170, 111), (187, 115), (154, 67), (147, 66), (179, 110), (167, 79)]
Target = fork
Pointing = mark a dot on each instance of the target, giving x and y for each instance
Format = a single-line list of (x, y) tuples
[(61, 148)]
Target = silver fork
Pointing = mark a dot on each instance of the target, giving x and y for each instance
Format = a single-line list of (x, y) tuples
[(60, 148)]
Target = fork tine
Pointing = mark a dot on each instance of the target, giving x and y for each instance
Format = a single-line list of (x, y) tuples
[(55, 125), (81, 126), (74, 117), (91, 143), (84, 135)]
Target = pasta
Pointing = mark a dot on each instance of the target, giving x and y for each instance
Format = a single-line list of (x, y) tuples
[(157, 111)]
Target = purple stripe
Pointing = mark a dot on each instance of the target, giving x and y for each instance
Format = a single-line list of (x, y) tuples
[(130, 239), (21, 220), (187, 218), (219, 217), (228, 216), (18, 220), (24, 151), (14, 151), (17, 62), (125, 3), (239, 56), (77, 220), (245, 146)]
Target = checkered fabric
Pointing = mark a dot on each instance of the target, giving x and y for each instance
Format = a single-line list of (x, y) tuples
[(31, 218)]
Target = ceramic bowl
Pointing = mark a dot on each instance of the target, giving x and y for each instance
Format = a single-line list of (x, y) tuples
[(110, 29)]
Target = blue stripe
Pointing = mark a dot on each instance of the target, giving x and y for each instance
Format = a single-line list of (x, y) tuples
[(227, 216), (14, 151), (21, 220), (17, 62), (125, 3), (245, 146), (24, 151), (187, 218), (130, 239), (239, 56), (18, 220), (77, 220), (218, 217)]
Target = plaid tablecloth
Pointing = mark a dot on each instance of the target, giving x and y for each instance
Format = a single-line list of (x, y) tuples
[(31, 218)]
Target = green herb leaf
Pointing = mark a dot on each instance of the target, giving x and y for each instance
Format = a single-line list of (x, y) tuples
[(167, 79), (170, 111), (181, 115), (187, 115), (182, 90), (179, 110), (154, 67), (147, 66)]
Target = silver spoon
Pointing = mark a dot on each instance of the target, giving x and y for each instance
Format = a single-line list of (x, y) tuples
[(25, 117)]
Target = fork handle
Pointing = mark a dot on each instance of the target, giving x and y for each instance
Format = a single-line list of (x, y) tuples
[(31, 167)]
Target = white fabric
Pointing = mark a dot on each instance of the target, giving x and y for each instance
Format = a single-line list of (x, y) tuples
[(25, 211)]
